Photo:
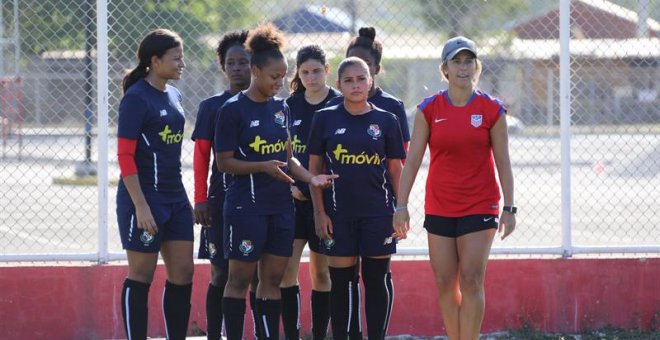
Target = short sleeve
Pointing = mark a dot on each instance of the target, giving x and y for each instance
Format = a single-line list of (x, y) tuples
[(425, 107), (205, 123), (316, 141), (132, 114), (501, 108), (227, 129), (394, 141), (403, 121), (495, 110)]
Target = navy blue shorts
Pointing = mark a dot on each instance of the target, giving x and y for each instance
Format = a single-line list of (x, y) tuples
[(305, 229), (363, 236), (248, 237), (459, 226), (174, 221), (211, 240)]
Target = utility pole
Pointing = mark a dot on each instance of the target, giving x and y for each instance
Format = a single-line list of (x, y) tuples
[(87, 167)]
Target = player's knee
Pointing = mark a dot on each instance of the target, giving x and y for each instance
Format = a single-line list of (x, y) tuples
[(238, 282), (181, 274), (321, 277), (270, 279), (471, 281), (288, 281), (446, 281), (218, 276), (144, 275)]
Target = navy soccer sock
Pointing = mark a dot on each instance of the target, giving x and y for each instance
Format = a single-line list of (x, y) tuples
[(268, 312), (134, 308), (342, 307), (214, 312), (233, 311), (291, 312), (320, 314), (176, 309), (377, 296)]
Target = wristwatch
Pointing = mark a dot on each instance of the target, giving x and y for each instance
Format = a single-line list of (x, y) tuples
[(510, 208)]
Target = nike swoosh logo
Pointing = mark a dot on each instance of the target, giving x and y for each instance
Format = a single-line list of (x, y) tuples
[(438, 120), (487, 219)]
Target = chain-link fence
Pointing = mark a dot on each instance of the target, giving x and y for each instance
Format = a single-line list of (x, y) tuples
[(49, 203)]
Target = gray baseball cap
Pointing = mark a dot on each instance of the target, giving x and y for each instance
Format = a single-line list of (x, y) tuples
[(457, 44)]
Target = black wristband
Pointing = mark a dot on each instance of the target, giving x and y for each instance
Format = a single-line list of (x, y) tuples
[(510, 208)]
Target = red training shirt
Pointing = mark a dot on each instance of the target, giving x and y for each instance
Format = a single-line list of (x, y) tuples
[(461, 179)]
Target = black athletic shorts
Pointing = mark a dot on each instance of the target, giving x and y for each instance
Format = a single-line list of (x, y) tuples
[(459, 226)]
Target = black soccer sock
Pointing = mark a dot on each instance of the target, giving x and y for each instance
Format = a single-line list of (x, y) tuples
[(233, 311), (291, 312), (390, 290), (320, 314), (176, 310), (134, 308), (214, 312), (355, 332), (377, 297), (344, 281), (268, 312), (255, 317)]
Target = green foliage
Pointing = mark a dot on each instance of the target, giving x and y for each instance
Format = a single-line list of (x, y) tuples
[(48, 24), (469, 18)]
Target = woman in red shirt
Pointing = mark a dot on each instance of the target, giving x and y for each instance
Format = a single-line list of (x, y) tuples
[(465, 129)]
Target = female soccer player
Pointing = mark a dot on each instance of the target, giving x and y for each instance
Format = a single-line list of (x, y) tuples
[(363, 145), (309, 92), (465, 130), (366, 47), (153, 211), (252, 142), (209, 200)]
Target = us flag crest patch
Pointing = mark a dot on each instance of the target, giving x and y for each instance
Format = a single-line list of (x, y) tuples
[(476, 120)]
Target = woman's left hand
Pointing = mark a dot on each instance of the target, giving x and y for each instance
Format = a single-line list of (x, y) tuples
[(322, 181), (507, 224), (401, 224)]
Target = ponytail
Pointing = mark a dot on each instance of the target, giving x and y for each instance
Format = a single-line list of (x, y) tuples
[(133, 76), (296, 85), (154, 44)]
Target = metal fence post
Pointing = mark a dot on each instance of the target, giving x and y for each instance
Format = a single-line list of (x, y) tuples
[(565, 123), (102, 107)]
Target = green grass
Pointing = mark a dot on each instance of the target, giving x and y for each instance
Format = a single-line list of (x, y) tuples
[(80, 181)]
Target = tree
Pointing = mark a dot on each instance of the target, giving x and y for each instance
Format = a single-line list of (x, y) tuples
[(469, 18), (59, 24)]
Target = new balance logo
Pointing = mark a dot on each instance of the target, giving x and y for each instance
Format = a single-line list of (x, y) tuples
[(163, 113), (340, 131), (254, 123), (297, 122)]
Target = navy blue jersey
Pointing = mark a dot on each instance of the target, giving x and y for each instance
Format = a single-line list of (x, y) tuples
[(356, 148), (301, 121), (255, 132), (205, 129), (155, 119), (389, 103)]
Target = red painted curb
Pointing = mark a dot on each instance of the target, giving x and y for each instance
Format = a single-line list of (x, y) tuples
[(551, 295)]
